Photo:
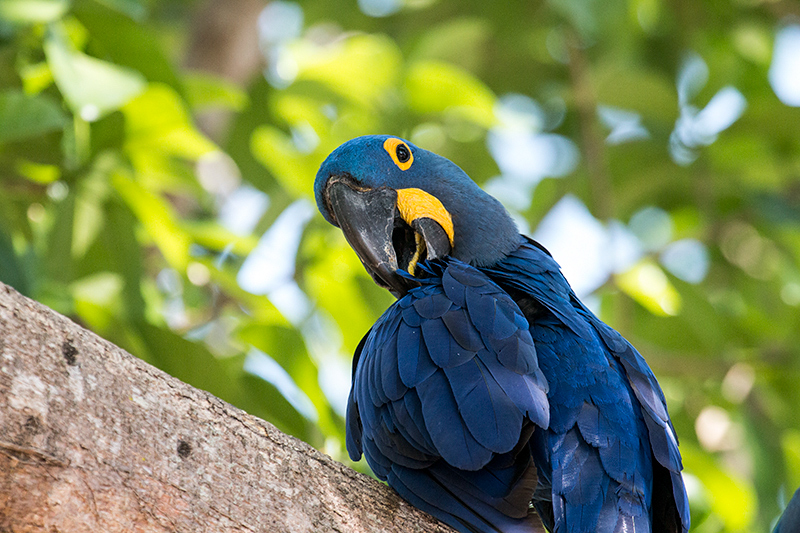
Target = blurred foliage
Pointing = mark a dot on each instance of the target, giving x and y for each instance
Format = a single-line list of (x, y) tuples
[(119, 211)]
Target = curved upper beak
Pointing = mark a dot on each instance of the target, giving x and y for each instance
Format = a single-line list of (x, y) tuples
[(368, 218)]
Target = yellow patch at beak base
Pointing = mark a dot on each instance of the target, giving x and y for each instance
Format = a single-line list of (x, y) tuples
[(416, 203)]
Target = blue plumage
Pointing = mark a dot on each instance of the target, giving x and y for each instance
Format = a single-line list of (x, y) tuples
[(468, 415), (488, 387), (790, 520)]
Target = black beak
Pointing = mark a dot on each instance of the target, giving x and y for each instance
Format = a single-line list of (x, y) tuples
[(367, 219), (437, 243)]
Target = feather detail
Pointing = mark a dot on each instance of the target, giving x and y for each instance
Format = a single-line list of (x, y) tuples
[(439, 379)]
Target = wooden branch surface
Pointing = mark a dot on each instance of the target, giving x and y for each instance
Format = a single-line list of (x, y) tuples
[(93, 439)]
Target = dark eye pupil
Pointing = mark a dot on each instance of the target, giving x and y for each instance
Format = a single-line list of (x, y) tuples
[(403, 154)]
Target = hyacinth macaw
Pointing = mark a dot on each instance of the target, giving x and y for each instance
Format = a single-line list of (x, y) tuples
[(488, 389)]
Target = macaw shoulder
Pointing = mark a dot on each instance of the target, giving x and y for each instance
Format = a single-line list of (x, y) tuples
[(531, 273), (534, 273), (456, 351)]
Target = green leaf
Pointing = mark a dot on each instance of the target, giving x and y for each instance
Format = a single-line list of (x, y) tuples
[(647, 284), (204, 90), (299, 109), (361, 68), (259, 308), (127, 42), (287, 348), (630, 87), (135, 9), (115, 250), (584, 15), (36, 77), (276, 151), (38, 173), (157, 123), (215, 237), (332, 280), (436, 87), (31, 11), (22, 117), (92, 88), (263, 400), (790, 442), (58, 257), (462, 42), (733, 498), (700, 331), (102, 289), (11, 270), (752, 158), (242, 125), (90, 196), (125, 256), (158, 219)]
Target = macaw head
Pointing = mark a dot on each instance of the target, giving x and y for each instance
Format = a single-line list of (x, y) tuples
[(398, 204)]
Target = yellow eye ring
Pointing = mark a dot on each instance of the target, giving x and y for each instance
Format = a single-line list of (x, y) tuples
[(399, 152)]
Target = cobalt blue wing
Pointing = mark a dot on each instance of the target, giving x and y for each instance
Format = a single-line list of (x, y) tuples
[(593, 461), (446, 392), (609, 426), (663, 439)]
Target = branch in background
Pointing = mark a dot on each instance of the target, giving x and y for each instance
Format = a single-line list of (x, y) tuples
[(224, 41), (93, 439), (592, 138)]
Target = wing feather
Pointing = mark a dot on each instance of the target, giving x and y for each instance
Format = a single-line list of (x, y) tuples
[(444, 382), (598, 384)]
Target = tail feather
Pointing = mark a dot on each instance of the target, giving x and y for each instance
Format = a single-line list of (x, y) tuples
[(454, 504)]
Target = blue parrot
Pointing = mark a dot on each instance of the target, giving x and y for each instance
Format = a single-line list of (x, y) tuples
[(488, 389)]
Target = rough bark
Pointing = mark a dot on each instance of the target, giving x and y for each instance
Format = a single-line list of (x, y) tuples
[(93, 439)]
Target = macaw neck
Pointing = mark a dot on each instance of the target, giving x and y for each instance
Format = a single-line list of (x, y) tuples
[(484, 233)]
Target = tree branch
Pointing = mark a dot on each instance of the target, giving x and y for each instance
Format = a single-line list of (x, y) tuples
[(94, 439), (591, 136)]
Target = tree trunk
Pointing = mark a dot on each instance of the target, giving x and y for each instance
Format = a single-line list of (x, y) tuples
[(93, 439)]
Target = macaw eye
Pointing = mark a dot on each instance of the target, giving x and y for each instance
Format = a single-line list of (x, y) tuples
[(400, 153)]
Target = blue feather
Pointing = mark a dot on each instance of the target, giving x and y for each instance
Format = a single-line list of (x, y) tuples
[(439, 343), (433, 306), (412, 318), (413, 360), (482, 309), (380, 464), (489, 414), (455, 506), (429, 384), (505, 320), (526, 391), (390, 382), (460, 325), (407, 426), (413, 405), (353, 437), (453, 441)]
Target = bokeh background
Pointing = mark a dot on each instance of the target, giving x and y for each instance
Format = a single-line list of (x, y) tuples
[(157, 160)]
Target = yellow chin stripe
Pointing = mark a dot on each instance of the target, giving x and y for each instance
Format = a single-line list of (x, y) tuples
[(412, 265), (416, 203)]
